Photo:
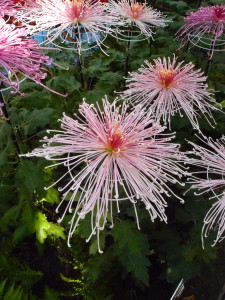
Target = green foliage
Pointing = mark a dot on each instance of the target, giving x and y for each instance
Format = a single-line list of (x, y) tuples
[(43, 228), (132, 248)]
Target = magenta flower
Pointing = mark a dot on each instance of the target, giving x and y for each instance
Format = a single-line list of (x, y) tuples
[(168, 87), (19, 55), (7, 7), (138, 15), (212, 164), (75, 22), (112, 156), (208, 21)]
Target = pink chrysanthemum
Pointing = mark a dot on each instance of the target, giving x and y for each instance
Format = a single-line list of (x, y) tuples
[(74, 21), (136, 14), (7, 7), (167, 87), (112, 155), (19, 55), (212, 161), (207, 20)]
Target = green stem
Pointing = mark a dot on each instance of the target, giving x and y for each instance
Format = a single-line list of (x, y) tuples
[(80, 64), (127, 59), (210, 55), (7, 118), (199, 3)]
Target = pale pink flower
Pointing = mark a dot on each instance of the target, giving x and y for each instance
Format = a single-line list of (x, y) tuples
[(75, 22), (211, 161), (137, 15), (7, 7), (167, 87), (19, 55), (209, 21), (112, 155), (215, 220)]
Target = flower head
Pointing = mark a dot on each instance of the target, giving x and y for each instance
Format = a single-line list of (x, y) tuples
[(19, 55), (215, 220), (167, 87), (211, 160), (75, 22), (136, 14), (205, 21), (7, 7), (112, 155)]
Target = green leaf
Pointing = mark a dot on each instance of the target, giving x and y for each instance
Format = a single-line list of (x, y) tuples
[(56, 231), (30, 174), (2, 286), (97, 264), (131, 247), (14, 293), (94, 243), (44, 228), (11, 214), (19, 233), (41, 226), (52, 196), (51, 294), (38, 118)]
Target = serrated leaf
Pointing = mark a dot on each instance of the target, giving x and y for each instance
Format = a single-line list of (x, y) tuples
[(41, 226), (38, 118), (97, 264), (56, 231), (44, 228), (131, 247), (52, 196), (30, 174)]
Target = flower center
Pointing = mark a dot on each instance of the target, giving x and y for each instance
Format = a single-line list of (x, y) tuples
[(115, 139), (167, 77), (137, 9), (220, 13), (77, 9)]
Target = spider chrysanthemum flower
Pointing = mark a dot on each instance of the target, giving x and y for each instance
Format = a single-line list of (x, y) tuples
[(75, 22), (211, 161), (112, 155), (209, 21), (7, 8), (138, 15), (167, 87), (19, 55)]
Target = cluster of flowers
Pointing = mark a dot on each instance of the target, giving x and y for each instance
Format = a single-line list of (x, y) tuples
[(113, 154)]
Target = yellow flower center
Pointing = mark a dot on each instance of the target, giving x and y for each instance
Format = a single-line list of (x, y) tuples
[(137, 9), (77, 9)]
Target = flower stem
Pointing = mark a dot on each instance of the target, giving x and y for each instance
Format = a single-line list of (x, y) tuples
[(80, 64), (210, 54), (199, 3), (127, 58), (6, 117)]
